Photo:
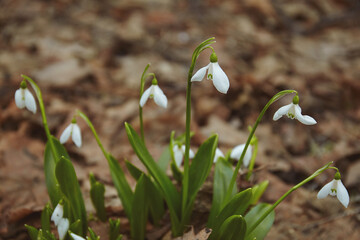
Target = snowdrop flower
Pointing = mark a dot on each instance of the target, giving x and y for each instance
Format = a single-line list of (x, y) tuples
[(24, 98), (154, 92), (218, 153), (335, 188), (293, 110), (215, 73), (72, 130), (63, 227), (238, 150), (76, 237), (57, 214), (179, 153)]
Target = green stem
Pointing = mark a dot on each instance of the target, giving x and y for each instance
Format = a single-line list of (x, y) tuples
[(91, 126), (236, 171), (252, 161), (265, 214), (142, 86), (185, 180), (43, 115)]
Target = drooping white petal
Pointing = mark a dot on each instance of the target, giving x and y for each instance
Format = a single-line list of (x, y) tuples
[(325, 190), (145, 96), (191, 154), (220, 80), (159, 97), (19, 100), (200, 74), (304, 119), (76, 135), (218, 153), (178, 155), (57, 214), (63, 227), (30, 101), (66, 134), (342, 194), (237, 151), (76, 237), (282, 111)]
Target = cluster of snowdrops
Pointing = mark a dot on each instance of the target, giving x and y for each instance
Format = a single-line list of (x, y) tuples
[(234, 214)]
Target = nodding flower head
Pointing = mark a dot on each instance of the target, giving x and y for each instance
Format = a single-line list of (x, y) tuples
[(238, 150), (179, 152), (217, 155), (24, 98), (72, 130), (63, 227), (155, 92), (76, 237), (293, 111), (214, 73), (335, 188), (58, 214)]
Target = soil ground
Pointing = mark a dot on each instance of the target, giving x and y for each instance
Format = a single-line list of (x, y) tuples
[(89, 55)]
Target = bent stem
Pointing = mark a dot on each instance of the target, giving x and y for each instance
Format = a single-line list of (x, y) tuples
[(236, 171), (314, 175), (43, 115), (185, 182)]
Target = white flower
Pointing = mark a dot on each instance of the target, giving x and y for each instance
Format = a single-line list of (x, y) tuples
[(294, 111), (72, 130), (57, 214), (179, 153), (63, 227), (24, 98), (154, 92), (218, 153), (335, 188), (215, 73), (238, 150), (76, 237)]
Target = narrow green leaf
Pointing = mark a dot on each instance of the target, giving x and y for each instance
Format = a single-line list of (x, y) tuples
[(222, 177), (121, 184), (97, 194), (176, 172), (49, 168), (33, 232), (69, 185), (258, 191), (48, 235), (139, 210), (201, 166), (93, 235), (45, 218), (264, 227), (153, 194), (114, 233), (169, 192), (164, 159), (234, 228), (237, 206), (75, 227)]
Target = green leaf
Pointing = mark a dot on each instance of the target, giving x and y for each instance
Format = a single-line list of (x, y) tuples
[(133, 170), (237, 206), (49, 168), (75, 227), (114, 233), (45, 217), (153, 194), (222, 178), (121, 184), (69, 185), (201, 166), (48, 235), (264, 227), (176, 172), (33, 232), (139, 210), (234, 228), (97, 194), (93, 235), (164, 159), (258, 191), (169, 192)]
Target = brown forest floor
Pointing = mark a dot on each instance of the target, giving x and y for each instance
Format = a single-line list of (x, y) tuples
[(89, 55)]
